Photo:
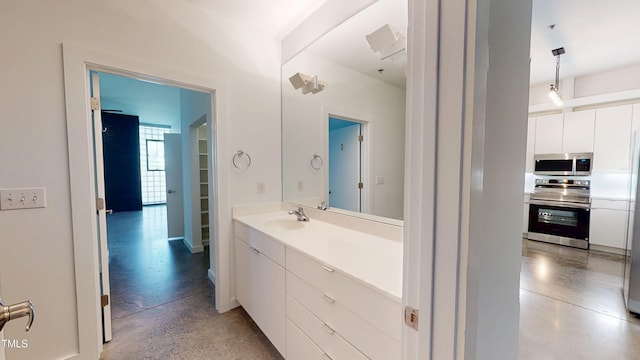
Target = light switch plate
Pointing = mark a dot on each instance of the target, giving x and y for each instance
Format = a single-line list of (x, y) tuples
[(22, 198)]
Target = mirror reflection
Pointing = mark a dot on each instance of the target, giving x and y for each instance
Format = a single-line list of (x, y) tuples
[(343, 108)]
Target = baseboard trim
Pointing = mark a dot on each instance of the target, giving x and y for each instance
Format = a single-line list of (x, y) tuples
[(212, 276), (191, 248)]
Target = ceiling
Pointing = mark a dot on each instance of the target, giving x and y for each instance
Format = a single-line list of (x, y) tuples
[(277, 17), (597, 35)]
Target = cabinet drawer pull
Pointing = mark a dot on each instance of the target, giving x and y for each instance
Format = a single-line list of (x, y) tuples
[(326, 357), (255, 251), (328, 299), (328, 329), (327, 268)]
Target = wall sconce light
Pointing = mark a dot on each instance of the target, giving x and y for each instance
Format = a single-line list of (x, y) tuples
[(308, 83), (386, 43), (554, 91)]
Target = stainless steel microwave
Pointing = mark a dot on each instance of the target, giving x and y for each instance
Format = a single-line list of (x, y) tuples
[(563, 164)]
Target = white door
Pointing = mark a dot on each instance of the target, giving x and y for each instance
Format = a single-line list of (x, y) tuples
[(105, 286), (173, 176), (344, 165)]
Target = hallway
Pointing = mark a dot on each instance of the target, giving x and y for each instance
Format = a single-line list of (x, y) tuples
[(162, 300)]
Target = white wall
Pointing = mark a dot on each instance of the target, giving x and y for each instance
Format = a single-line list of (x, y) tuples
[(605, 82), (37, 257), (497, 170), (352, 95)]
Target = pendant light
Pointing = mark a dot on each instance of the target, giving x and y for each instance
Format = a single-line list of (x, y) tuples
[(554, 92)]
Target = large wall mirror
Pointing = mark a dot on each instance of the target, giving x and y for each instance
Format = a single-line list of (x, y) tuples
[(343, 109)]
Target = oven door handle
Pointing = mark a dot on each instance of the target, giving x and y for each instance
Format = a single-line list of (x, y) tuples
[(560, 204)]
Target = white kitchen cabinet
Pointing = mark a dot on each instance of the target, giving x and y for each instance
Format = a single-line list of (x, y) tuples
[(549, 130), (260, 287), (608, 228), (578, 131), (612, 142), (531, 143)]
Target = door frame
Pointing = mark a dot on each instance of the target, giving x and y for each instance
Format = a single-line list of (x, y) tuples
[(77, 62), (358, 164), (365, 151)]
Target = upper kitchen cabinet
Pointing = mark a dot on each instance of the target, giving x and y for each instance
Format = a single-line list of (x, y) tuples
[(612, 142), (578, 134), (549, 131), (571, 132)]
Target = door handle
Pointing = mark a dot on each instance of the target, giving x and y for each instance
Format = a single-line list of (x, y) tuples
[(16, 311), (171, 191), (110, 211)]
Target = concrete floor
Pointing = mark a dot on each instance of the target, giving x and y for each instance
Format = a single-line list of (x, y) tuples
[(571, 305), (163, 303)]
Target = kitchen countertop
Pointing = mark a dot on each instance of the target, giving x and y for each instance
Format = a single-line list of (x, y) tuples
[(375, 261)]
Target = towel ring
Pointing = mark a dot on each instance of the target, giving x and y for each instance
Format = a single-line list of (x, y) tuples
[(240, 154), (317, 162)]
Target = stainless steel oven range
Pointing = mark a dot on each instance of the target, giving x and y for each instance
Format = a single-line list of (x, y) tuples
[(559, 212)]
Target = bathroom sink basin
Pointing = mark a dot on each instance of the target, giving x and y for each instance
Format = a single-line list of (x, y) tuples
[(285, 224)]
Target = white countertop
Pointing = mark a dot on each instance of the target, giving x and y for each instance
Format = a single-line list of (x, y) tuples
[(374, 260)]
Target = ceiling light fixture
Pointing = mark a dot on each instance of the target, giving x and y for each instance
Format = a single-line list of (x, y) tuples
[(386, 43), (554, 92), (308, 83)]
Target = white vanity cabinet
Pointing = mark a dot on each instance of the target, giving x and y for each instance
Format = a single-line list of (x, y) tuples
[(345, 318), (320, 291), (260, 282)]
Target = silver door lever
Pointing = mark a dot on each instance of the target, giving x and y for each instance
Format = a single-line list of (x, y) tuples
[(16, 311)]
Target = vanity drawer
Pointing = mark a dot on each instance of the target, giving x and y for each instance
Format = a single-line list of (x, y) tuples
[(330, 341), (373, 342), (380, 310), (300, 347), (266, 245)]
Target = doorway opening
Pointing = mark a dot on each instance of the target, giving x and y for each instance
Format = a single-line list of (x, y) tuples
[(347, 155), (156, 248)]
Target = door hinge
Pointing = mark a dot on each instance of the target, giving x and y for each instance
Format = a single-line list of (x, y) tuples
[(104, 300), (360, 185), (95, 103), (411, 317), (99, 204), (360, 138)]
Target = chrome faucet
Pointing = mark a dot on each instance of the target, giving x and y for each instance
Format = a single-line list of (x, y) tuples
[(300, 214), (16, 311), (322, 206)]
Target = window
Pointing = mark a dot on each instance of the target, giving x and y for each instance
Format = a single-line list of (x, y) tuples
[(155, 155), (154, 188)]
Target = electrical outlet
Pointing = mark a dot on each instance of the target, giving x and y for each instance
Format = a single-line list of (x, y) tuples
[(261, 187), (26, 198), (300, 185), (379, 180)]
